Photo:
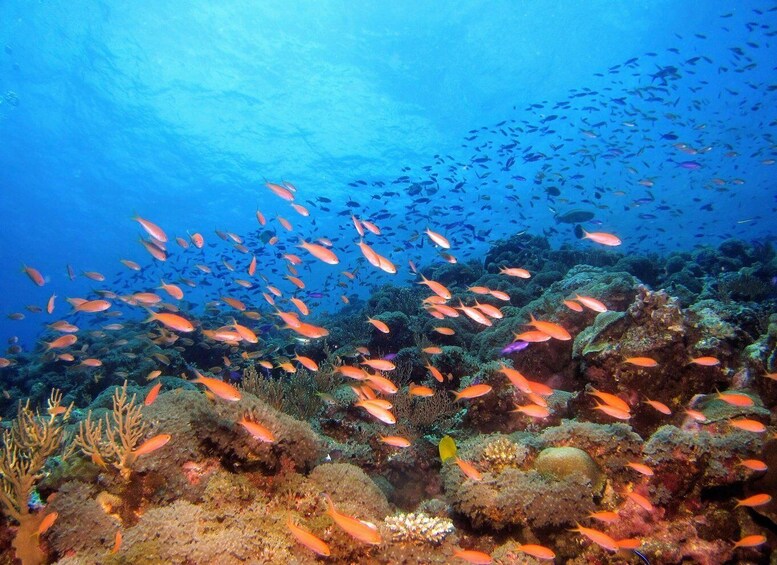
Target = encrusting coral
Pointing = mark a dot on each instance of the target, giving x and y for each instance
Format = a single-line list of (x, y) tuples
[(26, 447)]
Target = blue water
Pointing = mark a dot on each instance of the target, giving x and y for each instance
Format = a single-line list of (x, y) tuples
[(179, 110)]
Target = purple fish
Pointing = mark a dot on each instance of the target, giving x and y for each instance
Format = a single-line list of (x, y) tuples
[(390, 356), (514, 347), (690, 165)]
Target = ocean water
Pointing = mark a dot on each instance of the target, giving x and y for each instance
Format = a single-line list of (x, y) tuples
[(651, 121)]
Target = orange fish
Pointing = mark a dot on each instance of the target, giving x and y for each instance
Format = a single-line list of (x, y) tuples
[(591, 303), (358, 225), (116, 543), (280, 191), (172, 321), (479, 289), (380, 326), (306, 362), (754, 464), (50, 304), (47, 522), (602, 238), (599, 538), (385, 265), (641, 361), (34, 275), (735, 398), (218, 387), (614, 412), (301, 306), (500, 295), (533, 410), (94, 275), (631, 543), (641, 501), (706, 361), (151, 444), (173, 290), (432, 350), (436, 288), (532, 336), (755, 500), (285, 223), (641, 468), (489, 310), (379, 364), (130, 264), (257, 430), (611, 400), (750, 541), (319, 252), (89, 306), (552, 329), (372, 227), (382, 384), (473, 391), (435, 372), (234, 302), (696, 415), (147, 298), (61, 341), (538, 551), (197, 240), (473, 556), (356, 373), (515, 272), (377, 411), (300, 209), (444, 331), (572, 305), (660, 406), (152, 394), (151, 229), (606, 516), (516, 378), (358, 529), (438, 239), (474, 314), (748, 425), (307, 539), (469, 470), (418, 390), (154, 250), (395, 441)]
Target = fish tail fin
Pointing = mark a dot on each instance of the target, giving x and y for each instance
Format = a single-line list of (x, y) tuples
[(151, 315)]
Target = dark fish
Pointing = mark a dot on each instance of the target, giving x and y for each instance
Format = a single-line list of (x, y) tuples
[(574, 217)]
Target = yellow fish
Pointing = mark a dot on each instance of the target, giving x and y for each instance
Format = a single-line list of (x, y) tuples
[(447, 448)]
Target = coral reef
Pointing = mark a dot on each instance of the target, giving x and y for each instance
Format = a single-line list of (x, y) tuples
[(26, 447), (418, 527)]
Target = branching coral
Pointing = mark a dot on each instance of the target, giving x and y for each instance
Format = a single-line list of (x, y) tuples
[(26, 446), (114, 439), (418, 528)]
